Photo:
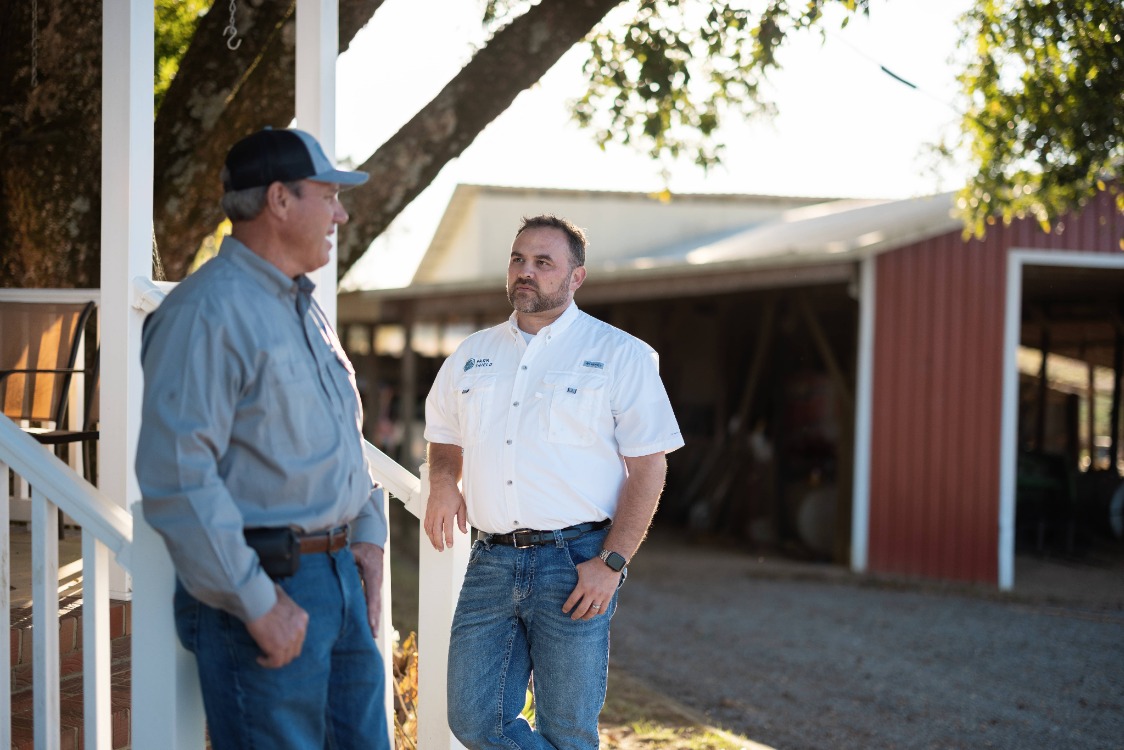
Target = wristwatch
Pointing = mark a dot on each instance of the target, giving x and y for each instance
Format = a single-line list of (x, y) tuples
[(613, 560)]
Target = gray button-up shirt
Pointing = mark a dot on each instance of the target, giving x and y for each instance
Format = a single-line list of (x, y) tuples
[(251, 418)]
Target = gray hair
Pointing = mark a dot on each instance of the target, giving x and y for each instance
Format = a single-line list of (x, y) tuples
[(245, 205)]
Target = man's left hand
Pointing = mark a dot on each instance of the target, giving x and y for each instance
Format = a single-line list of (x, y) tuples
[(369, 558), (597, 583)]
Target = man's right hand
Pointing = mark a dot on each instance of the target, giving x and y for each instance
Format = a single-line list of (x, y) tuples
[(280, 632), (444, 508)]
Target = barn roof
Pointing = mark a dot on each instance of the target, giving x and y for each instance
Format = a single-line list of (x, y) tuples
[(760, 230)]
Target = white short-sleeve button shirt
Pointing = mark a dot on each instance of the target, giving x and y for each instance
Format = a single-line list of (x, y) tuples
[(544, 425)]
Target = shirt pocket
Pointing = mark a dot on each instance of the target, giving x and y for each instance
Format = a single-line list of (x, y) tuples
[(574, 401), (293, 416), (474, 394)]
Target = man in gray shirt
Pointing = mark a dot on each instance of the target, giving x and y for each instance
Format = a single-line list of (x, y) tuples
[(251, 467)]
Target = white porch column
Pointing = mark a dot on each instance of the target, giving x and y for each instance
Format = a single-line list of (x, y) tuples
[(864, 404), (441, 575), (317, 50), (166, 708)]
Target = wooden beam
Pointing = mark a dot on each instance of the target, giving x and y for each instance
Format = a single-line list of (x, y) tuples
[(736, 427), (824, 348)]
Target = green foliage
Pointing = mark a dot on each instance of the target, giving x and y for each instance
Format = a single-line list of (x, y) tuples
[(175, 25), (499, 12), (1045, 115), (666, 80)]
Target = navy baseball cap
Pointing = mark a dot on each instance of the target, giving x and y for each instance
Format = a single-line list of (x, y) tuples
[(286, 155)]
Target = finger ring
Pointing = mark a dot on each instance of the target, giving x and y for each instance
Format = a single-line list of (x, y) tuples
[(597, 606)]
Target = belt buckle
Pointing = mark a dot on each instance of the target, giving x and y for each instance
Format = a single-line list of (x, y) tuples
[(515, 539)]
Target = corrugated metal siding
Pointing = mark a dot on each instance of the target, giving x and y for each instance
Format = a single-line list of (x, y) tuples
[(938, 357)]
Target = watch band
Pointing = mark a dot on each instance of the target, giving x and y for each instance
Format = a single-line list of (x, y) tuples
[(614, 560)]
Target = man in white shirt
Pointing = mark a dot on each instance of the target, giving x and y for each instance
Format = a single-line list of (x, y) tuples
[(557, 426)]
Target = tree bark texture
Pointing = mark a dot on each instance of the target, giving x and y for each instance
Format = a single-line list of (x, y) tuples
[(50, 144), (219, 96), (50, 150)]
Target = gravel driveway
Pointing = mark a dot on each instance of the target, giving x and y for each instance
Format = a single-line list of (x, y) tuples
[(803, 656)]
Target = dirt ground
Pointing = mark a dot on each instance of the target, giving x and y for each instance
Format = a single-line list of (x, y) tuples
[(801, 656)]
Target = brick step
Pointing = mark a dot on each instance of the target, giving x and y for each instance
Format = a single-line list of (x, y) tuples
[(70, 677)]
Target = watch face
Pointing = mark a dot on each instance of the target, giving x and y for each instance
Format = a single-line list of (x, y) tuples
[(613, 560)]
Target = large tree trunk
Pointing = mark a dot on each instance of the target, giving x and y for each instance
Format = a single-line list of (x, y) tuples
[(50, 144), (218, 96), (50, 151)]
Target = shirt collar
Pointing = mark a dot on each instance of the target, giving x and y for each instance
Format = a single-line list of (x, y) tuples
[(261, 270), (564, 321)]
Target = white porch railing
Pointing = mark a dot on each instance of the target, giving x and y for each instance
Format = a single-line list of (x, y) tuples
[(439, 582), (106, 528), (109, 528)]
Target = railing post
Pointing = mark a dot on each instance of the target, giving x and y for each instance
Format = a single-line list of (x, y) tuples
[(45, 619), (441, 574), (168, 711), (5, 607), (385, 639), (96, 666)]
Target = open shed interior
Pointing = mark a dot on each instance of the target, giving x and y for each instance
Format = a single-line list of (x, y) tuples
[(762, 382), (1069, 492)]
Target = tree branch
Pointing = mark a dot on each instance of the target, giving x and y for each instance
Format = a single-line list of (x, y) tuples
[(218, 96), (516, 57)]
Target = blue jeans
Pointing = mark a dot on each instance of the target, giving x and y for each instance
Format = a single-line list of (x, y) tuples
[(509, 623), (331, 696)]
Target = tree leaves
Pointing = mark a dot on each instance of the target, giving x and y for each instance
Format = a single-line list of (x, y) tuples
[(667, 79), (1044, 122)]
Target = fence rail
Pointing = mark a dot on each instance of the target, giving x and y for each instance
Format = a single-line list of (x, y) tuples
[(106, 529)]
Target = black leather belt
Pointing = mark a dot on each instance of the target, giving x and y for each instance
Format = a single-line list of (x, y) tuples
[(522, 538)]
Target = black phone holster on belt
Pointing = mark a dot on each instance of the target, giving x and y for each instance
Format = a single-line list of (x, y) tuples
[(278, 548)]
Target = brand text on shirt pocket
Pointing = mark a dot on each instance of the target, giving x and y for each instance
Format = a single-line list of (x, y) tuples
[(474, 396), (574, 401)]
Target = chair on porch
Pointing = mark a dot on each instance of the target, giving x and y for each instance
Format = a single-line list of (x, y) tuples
[(87, 434), (40, 343)]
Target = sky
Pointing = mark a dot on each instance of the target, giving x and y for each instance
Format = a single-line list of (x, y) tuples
[(844, 127)]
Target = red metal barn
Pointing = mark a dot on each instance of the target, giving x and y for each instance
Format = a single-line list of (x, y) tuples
[(947, 318), (854, 379)]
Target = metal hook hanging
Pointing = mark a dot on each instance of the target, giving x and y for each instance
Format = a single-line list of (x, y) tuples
[(231, 30)]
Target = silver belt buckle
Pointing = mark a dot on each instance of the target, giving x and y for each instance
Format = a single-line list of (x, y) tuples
[(515, 540)]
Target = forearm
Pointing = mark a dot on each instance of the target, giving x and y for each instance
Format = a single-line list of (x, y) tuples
[(639, 498), (369, 559), (445, 507), (445, 463)]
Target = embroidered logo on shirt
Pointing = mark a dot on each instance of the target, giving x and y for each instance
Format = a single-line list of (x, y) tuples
[(571, 390), (473, 362), (597, 365)]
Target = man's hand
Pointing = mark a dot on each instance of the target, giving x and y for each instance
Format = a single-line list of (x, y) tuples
[(445, 508), (597, 583), (280, 632), (369, 558)]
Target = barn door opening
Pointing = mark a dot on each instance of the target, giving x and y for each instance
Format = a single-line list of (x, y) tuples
[(1062, 489)]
